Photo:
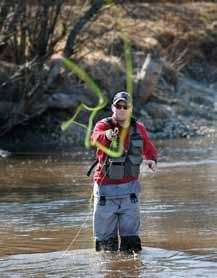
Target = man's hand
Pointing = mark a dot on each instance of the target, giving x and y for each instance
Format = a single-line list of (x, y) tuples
[(111, 134), (151, 164)]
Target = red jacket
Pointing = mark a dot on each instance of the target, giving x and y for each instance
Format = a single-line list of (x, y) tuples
[(149, 150)]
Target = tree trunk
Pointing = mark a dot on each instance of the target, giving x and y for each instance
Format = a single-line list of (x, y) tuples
[(68, 49), (147, 78)]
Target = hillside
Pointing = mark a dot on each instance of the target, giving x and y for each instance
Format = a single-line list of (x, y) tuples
[(180, 100)]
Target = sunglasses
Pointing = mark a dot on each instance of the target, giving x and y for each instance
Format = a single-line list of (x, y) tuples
[(119, 106)]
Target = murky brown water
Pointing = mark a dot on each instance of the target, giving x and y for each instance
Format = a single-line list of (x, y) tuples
[(45, 217)]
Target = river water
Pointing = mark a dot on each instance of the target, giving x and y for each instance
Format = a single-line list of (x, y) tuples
[(46, 216)]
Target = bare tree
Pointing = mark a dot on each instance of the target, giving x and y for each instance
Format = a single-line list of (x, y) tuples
[(73, 33), (29, 30), (29, 34)]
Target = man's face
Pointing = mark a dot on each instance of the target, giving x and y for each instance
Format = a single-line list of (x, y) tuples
[(121, 110)]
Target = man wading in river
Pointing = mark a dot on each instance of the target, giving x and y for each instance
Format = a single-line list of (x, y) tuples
[(116, 179)]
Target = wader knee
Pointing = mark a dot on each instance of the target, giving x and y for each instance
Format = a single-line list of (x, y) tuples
[(130, 244), (110, 244)]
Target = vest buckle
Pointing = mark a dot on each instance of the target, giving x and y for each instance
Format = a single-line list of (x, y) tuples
[(102, 201), (133, 198)]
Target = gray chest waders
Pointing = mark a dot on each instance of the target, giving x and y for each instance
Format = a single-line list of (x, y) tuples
[(117, 220)]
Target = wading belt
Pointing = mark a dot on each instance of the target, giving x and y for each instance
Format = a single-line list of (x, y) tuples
[(92, 166), (133, 199)]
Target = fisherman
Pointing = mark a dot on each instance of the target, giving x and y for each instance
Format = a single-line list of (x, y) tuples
[(116, 217)]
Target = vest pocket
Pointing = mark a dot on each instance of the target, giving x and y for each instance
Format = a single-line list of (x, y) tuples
[(136, 147), (133, 165), (116, 167)]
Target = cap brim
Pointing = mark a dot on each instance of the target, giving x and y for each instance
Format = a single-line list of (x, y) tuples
[(119, 99)]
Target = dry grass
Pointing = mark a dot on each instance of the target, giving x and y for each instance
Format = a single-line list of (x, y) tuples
[(178, 33)]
